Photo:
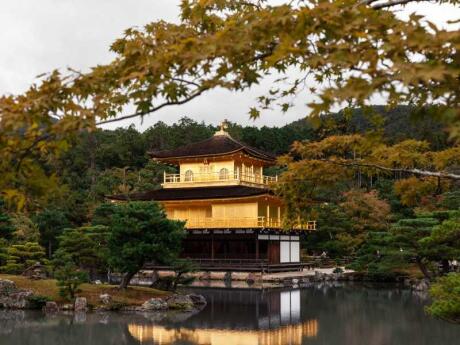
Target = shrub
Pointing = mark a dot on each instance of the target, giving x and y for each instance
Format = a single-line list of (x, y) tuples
[(446, 298), (69, 278), (37, 301), (337, 270)]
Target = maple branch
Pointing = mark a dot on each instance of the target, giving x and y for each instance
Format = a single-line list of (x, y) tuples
[(202, 89), (29, 149), (142, 113), (366, 2), (250, 4), (427, 173), (389, 3)]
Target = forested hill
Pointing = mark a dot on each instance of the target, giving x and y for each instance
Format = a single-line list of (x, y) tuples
[(127, 147), (396, 125)]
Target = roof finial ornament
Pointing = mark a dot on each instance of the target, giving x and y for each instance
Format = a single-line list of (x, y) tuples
[(223, 127)]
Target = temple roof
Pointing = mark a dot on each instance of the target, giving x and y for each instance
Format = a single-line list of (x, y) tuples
[(219, 145), (198, 193)]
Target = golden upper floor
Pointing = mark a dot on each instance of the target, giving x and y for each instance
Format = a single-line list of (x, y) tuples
[(218, 173), (217, 161)]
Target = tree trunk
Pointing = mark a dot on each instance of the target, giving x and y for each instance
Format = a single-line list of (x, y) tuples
[(92, 157), (49, 249), (126, 279), (439, 187), (423, 268), (176, 281), (445, 266)]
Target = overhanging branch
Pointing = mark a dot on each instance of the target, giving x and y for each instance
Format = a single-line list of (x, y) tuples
[(390, 3), (142, 113), (418, 172)]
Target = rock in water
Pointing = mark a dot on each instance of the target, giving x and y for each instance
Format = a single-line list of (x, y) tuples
[(422, 285), (50, 307), (80, 304), (13, 298), (154, 304), (197, 299), (17, 300), (180, 302), (105, 298)]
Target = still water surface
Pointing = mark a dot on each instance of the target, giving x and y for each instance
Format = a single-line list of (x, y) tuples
[(342, 314)]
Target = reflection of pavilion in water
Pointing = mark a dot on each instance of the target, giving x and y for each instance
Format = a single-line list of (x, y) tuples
[(245, 318)]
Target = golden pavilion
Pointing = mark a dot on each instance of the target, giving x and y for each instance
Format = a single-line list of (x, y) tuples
[(233, 218)]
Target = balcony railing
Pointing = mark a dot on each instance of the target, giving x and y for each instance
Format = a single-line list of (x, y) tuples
[(217, 178), (243, 222)]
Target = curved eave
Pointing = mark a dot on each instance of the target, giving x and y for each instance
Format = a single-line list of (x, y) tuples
[(191, 194), (178, 159), (216, 146)]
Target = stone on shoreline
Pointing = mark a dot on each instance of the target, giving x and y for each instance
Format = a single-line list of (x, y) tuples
[(80, 304), (180, 302), (422, 285), (13, 298), (7, 286), (50, 307), (105, 298), (154, 304), (197, 299)]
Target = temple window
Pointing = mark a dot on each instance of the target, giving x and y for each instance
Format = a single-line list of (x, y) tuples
[(188, 176), (223, 174)]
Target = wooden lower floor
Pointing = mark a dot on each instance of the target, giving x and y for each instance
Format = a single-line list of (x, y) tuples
[(243, 250)]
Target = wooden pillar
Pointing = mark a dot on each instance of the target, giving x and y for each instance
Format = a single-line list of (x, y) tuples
[(268, 214), (257, 307), (212, 246), (257, 247), (279, 215)]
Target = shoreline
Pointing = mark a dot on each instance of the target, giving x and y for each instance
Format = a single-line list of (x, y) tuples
[(20, 292)]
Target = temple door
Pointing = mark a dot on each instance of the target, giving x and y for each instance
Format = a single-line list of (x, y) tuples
[(273, 252)]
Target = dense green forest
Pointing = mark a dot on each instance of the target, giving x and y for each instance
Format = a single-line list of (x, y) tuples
[(352, 211)]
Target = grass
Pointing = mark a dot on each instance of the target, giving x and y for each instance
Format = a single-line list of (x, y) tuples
[(134, 295)]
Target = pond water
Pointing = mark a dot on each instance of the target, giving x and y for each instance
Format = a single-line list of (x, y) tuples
[(324, 314)]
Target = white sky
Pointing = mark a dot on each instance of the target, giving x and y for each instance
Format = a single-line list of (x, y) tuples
[(37, 36)]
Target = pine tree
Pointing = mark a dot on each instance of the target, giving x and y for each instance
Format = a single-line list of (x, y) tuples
[(140, 233), (21, 256)]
